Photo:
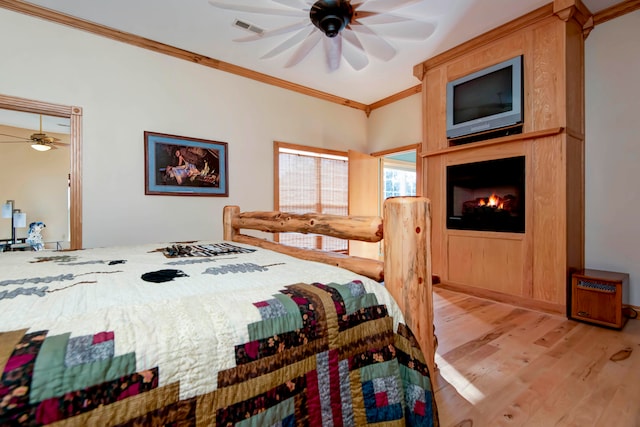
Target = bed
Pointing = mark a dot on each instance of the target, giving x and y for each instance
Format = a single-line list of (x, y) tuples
[(243, 331)]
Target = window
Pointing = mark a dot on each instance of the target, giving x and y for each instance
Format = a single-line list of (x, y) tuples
[(311, 180), (399, 178)]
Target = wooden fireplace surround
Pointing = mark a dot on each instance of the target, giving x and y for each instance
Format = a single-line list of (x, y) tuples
[(533, 268)]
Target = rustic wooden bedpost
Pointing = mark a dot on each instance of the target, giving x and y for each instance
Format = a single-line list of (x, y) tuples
[(227, 215), (407, 267)]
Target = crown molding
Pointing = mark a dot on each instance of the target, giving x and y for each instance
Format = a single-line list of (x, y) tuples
[(616, 11)]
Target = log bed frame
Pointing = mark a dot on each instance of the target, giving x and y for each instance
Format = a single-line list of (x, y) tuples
[(406, 270)]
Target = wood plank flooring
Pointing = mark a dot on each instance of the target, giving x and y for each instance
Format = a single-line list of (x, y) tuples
[(500, 365)]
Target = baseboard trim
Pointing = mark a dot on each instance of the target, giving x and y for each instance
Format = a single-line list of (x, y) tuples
[(505, 298)]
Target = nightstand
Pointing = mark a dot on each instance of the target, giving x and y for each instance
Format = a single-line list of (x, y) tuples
[(599, 297)]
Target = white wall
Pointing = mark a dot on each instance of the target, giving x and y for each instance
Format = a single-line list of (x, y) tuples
[(613, 148), (125, 90), (395, 125)]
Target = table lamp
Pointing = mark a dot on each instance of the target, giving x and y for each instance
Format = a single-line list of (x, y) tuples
[(18, 218)]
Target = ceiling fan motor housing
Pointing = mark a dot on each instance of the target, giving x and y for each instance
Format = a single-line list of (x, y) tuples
[(331, 16)]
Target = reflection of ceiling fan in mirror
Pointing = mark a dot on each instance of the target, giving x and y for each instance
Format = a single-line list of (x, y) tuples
[(352, 29), (39, 141)]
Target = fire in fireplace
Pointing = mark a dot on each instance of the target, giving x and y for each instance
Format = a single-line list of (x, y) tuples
[(487, 196)]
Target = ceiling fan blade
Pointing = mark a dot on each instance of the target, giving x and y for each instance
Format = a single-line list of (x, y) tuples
[(260, 10), (305, 47), (381, 18), (383, 6), (333, 51), (404, 28), (353, 51), (288, 43), (12, 142), (43, 137), (375, 45), (275, 31), (352, 38), (13, 136), (296, 4)]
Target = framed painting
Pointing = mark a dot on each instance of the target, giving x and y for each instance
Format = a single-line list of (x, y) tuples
[(182, 166)]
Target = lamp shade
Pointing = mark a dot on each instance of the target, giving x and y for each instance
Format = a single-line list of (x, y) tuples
[(19, 219), (7, 209), (41, 147)]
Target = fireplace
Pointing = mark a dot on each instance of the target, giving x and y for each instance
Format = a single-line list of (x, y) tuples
[(487, 196)]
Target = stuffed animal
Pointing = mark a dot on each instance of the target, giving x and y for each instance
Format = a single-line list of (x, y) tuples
[(34, 238)]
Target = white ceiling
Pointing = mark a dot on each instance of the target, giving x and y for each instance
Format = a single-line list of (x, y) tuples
[(196, 26)]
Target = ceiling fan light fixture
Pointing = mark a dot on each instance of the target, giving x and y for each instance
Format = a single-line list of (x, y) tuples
[(40, 147), (331, 16)]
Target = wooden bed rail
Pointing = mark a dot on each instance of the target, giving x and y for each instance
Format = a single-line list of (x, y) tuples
[(368, 229), (406, 270), (364, 228)]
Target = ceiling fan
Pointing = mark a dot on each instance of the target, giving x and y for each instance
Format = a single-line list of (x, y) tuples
[(39, 141), (346, 28)]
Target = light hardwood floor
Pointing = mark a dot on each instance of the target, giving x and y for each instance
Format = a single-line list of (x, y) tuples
[(500, 365)]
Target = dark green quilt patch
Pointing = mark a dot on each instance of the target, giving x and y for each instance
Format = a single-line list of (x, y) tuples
[(278, 325), (354, 303), (51, 378)]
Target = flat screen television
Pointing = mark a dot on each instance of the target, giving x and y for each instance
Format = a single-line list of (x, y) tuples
[(487, 100)]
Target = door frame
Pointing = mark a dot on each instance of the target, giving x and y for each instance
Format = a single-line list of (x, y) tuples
[(74, 114)]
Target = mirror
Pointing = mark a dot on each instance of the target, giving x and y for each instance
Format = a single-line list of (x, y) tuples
[(73, 116)]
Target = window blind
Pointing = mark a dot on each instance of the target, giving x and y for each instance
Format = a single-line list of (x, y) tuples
[(313, 182)]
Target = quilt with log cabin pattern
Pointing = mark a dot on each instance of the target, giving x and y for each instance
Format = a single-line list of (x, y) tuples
[(232, 336)]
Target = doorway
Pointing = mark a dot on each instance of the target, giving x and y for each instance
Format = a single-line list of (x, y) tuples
[(400, 173), (376, 176), (35, 175), (74, 115)]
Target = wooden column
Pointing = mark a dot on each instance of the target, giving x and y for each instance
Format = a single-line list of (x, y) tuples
[(407, 268)]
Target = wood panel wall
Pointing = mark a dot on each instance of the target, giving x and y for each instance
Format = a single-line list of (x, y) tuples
[(528, 268)]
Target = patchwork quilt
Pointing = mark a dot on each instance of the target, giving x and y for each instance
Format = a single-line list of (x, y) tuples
[(202, 334)]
